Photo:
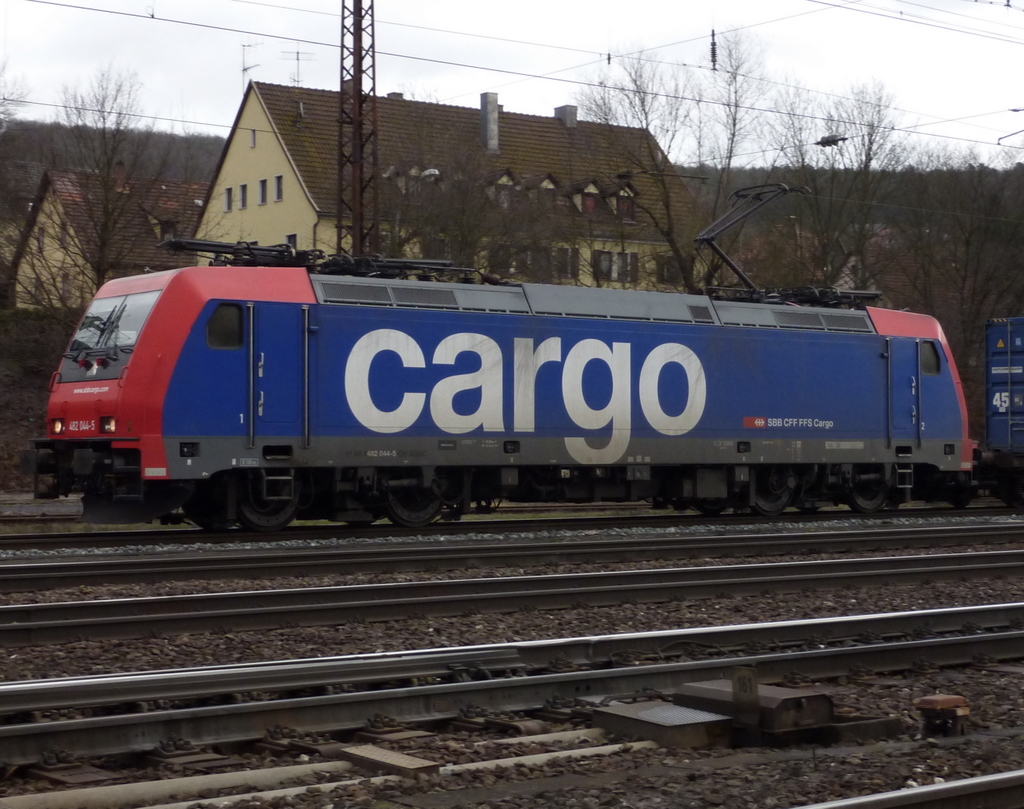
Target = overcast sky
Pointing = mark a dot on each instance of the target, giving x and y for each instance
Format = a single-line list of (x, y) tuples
[(953, 66)]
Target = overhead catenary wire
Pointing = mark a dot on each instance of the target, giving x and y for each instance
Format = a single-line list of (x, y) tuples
[(526, 75)]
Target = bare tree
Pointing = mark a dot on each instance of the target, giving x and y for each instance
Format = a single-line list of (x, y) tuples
[(647, 104), (449, 202), (104, 203), (704, 120), (726, 120), (845, 151), (13, 182), (108, 140), (957, 241)]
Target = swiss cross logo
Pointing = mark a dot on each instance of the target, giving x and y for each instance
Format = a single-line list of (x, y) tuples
[(755, 421)]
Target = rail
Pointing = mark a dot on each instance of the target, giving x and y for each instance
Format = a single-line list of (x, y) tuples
[(45, 623), (999, 791), (316, 695)]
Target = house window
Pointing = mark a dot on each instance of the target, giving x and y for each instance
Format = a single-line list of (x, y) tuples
[(546, 196), (40, 238), (252, 138), (503, 195), (292, 239), (611, 266), (625, 207), (589, 203), (278, 188), (243, 195), (668, 269), (566, 262), (263, 192), (229, 197)]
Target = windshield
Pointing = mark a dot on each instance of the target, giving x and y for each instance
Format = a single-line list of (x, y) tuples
[(114, 322)]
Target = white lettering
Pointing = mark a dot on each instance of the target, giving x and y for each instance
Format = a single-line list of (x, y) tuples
[(614, 416), (616, 412), (650, 402), (487, 379), (527, 364), (357, 381)]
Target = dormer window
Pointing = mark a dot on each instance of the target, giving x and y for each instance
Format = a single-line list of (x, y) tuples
[(587, 197), (625, 207), (502, 188)]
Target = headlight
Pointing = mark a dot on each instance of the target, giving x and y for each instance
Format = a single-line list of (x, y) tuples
[(108, 425), (57, 426)]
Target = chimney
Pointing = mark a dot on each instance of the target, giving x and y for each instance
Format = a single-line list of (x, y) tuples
[(398, 96), (567, 115), (489, 122)]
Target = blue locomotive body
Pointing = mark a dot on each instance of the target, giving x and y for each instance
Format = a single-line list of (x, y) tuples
[(582, 389), (271, 394)]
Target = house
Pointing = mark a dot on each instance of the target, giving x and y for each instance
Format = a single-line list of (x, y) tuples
[(83, 229), (542, 198), (19, 180)]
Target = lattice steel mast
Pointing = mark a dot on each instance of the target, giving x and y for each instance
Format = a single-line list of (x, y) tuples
[(357, 132)]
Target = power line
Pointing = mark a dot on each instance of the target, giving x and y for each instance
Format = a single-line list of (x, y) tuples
[(522, 75), (856, 5)]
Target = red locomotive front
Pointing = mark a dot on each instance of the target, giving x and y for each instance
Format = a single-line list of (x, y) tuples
[(101, 425)]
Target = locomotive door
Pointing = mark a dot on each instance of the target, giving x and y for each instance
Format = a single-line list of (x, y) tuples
[(278, 384), (905, 416)]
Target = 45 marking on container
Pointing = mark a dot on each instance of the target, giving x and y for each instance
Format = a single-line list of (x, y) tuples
[(1001, 401)]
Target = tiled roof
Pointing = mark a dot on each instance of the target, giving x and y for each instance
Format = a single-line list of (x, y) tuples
[(146, 205), (429, 135)]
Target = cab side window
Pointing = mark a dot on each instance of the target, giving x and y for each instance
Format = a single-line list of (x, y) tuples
[(224, 328), (929, 359)]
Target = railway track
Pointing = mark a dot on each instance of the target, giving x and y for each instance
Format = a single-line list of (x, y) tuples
[(278, 696), (1000, 791), (47, 623), (26, 575), (527, 520), (121, 713)]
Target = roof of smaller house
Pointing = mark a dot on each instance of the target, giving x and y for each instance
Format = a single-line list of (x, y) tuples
[(138, 212), (441, 136)]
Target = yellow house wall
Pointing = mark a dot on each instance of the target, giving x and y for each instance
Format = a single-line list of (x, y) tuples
[(245, 163), (647, 276), (49, 274)]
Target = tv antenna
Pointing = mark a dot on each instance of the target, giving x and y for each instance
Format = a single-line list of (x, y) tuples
[(298, 56), (247, 67)]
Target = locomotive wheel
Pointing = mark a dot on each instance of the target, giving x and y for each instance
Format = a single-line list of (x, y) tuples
[(271, 515), (411, 506), (869, 496), (258, 514), (774, 489)]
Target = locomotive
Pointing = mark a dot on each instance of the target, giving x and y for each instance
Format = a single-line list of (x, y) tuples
[(274, 386)]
